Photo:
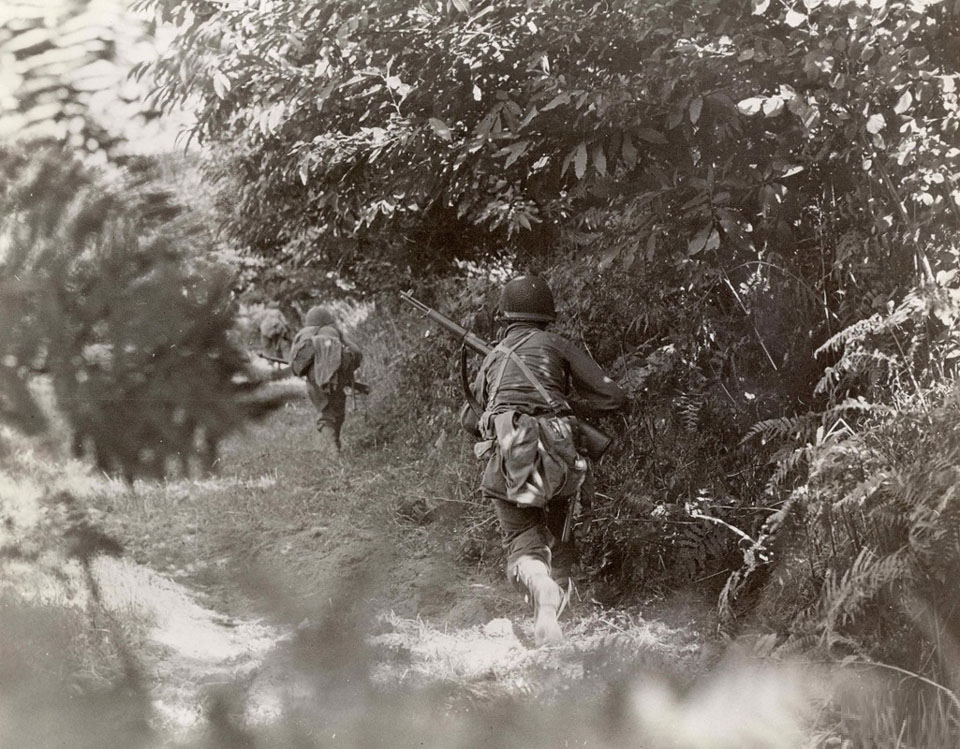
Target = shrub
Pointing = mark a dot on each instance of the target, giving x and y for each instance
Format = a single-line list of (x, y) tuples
[(103, 295)]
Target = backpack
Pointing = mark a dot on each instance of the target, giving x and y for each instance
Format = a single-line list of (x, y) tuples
[(322, 354)]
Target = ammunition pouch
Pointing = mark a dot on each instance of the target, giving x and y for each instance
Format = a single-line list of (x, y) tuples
[(591, 441)]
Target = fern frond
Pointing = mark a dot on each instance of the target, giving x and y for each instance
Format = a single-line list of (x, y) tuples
[(856, 332), (787, 465), (797, 427), (844, 599), (852, 364), (690, 405), (863, 491)]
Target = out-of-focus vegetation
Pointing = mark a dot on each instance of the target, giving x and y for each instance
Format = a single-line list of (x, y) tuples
[(98, 293), (110, 282)]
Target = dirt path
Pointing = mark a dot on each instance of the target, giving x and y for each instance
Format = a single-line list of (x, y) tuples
[(201, 664), (284, 595)]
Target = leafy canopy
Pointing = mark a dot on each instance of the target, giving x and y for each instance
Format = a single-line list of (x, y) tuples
[(414, 132)]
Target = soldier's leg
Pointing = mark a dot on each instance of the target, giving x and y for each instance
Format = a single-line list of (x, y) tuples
[(565, 553), (329, 418), (526, 542)]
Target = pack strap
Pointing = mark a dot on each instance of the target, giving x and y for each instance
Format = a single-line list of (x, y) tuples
[(552, 403), (510, 354)]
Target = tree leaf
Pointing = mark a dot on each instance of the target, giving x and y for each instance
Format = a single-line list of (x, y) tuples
[(699, 240), (609, 255), (580, 161), (600, 161), (760, 7), (515, 151), (773, 106), (221, 84), (674, 119), (528, 118), (794, 19), (903, 104), (462, 5), (556, 101), (629, 152), (440, 128), (750, 106), (875, 124), (696, 107), (812, 4), (651, 136), (713, 241)]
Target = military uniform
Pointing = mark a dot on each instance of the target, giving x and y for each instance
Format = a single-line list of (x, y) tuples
[(325, 386), (274, 333), (526, 404)]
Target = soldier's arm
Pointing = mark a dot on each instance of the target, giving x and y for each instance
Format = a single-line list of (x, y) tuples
[(469, 419), (350, 341), (594, 390)]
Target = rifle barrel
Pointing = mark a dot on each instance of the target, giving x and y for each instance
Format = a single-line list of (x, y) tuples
[(274, 359), (471, 340)]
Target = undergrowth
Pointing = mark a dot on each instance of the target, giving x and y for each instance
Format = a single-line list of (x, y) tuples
[(860, 561)]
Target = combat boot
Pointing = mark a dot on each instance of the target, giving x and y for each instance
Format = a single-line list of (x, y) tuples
[(547, 598), (330, 441)]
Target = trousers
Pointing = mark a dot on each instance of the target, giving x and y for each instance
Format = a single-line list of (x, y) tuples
[(331, 405), (526, 531)]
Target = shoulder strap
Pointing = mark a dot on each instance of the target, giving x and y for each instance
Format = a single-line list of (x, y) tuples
[(511, 354), (551, 402)]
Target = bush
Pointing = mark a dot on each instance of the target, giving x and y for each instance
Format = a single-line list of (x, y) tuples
[(104, 296), (863, 556)]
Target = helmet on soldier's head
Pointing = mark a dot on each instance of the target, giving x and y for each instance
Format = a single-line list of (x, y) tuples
[(527, 298), (318, 317)]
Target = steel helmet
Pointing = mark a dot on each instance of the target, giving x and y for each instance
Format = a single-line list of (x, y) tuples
[(318, 317), (527, 298)]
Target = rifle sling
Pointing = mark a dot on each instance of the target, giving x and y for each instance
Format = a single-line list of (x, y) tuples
[(465, 383)]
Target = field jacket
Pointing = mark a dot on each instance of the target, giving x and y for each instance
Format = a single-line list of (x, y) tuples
[(531, 437), (569, 375), (325, 354)]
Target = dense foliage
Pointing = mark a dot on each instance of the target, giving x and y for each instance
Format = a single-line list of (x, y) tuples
[(59, 76), (413, 133), (97, 291)]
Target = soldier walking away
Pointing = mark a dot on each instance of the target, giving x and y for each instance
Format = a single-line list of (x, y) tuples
[(275, 334), (327, 358), (527, 391)]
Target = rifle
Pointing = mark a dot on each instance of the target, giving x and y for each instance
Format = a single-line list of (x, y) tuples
[(274, 359), (357, 387), (593, 440)]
